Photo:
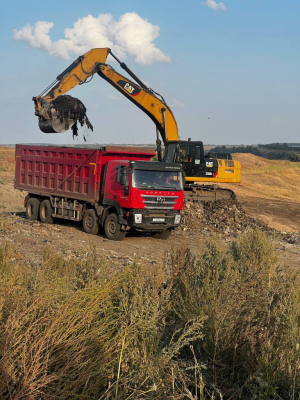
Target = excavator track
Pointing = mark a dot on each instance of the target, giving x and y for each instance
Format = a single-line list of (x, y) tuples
[(207, 193)]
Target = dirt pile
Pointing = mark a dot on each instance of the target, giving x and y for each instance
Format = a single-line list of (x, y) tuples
[(226, 216)]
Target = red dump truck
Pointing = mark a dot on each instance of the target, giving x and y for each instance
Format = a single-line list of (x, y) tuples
[(117, 188)]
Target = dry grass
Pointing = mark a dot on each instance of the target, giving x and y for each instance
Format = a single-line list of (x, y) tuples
[(7, 159), (7, 224), (270, 179), (252, 309), (224, 325)]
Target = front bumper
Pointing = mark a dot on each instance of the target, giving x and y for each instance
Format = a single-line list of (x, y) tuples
[(154, 220)]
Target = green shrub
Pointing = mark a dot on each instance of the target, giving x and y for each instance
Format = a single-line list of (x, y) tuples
[(251, 332), (294, 157)]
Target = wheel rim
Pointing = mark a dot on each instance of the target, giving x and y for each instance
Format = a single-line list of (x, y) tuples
[(112, 227), (89, 222)]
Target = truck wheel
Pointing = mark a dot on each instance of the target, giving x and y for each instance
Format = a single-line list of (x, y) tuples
[(32, 209), (46, 212), (164, 235), (112, 228), (90, 222)]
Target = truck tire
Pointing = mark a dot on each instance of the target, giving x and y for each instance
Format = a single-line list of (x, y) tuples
[(112, 228), (163, 235), (32, 209), (46, 212), (90, 222)]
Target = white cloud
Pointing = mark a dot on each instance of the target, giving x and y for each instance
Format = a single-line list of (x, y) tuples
[(215, 6), (178, 104), (131, 35)]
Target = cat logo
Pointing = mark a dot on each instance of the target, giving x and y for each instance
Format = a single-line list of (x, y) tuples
[(209, 164), (129, 87)]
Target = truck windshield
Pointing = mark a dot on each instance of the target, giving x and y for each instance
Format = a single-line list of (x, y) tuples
[(166, 180)]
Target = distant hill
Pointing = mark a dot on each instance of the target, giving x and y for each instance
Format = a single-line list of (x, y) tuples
[(272, 151)]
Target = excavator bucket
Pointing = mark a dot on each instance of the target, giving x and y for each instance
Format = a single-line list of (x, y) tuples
[(61, 114), (56, 125)]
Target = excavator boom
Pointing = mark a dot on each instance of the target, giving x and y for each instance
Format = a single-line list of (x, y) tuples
[(80, 72)]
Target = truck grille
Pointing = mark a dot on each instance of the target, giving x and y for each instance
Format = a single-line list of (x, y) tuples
[(159, 202)]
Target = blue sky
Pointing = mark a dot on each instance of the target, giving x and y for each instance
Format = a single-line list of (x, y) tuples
[(229, 71)]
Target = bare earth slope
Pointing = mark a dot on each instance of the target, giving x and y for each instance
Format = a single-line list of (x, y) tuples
[(270, 191)]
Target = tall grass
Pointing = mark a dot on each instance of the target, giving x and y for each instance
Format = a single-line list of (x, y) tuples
[(223, 325), (252, 309), (7, 159)]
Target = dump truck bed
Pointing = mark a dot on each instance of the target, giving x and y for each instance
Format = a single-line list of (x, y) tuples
[(73, 172)]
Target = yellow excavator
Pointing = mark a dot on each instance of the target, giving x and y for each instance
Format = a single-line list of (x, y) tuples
[(56, 115)]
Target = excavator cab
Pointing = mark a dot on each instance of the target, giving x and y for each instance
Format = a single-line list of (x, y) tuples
[(197, 166), (191, 155)]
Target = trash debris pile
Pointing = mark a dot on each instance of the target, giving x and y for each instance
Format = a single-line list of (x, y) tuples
[(224, 216)]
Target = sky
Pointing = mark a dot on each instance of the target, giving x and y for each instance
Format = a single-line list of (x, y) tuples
[(230, 71)]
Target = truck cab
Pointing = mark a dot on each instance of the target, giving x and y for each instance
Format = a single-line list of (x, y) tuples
[(147, 195)]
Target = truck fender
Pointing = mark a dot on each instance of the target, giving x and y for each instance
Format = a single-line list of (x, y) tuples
[(105, 213)]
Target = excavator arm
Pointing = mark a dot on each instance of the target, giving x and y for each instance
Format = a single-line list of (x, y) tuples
[(51, 119), (58, 112)]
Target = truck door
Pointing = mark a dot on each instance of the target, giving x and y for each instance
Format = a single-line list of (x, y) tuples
[(121, 185), (116, 188)]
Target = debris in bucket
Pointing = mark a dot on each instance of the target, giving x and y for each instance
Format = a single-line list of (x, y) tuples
[(71, 108), (75, 130)]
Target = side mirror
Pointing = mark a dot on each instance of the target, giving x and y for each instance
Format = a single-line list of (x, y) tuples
[(123, 176)]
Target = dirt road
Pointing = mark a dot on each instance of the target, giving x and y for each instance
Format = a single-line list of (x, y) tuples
[(278, 210)]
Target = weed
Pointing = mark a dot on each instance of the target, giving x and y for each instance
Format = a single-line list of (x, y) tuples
[(222, 325)]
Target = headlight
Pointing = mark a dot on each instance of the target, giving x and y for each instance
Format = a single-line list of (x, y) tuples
[(177, 219), (138, 218)]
